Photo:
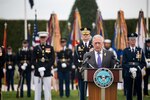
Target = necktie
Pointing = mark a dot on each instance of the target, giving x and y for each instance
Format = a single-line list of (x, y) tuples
[(85, 45), (99, 62), (132, 49)]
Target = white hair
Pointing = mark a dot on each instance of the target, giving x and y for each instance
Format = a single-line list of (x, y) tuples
[(98, 36)]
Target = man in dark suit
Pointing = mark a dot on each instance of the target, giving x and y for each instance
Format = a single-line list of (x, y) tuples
[(133, 62), (84, 46), (24, 64), (10, 67), (43, 59), (64, 63), (146, 77), (99, 58)]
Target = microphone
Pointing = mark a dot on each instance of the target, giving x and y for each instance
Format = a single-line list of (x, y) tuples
[(86, 59)]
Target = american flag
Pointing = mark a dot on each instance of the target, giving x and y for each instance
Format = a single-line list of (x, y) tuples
[(35, 37)]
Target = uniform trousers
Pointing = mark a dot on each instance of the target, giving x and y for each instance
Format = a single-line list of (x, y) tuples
[(46, 81)]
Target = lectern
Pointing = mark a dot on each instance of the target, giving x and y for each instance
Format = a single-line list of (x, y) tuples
[(97, 93)]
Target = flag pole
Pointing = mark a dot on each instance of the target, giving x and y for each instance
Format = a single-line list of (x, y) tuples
[(25, 21), (147, 21)]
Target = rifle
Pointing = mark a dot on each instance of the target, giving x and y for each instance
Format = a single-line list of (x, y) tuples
[(19, 85)]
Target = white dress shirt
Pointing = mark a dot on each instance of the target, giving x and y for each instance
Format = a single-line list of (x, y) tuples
[(101, 55)]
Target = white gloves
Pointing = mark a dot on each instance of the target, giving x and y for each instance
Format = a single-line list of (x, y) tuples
[(41, 70), (32, 66), (73, 66), (25, 64), (9, 67), (64, 65), (133, 72), (4, 70), (23, 67), (148, 64), (143, 72)]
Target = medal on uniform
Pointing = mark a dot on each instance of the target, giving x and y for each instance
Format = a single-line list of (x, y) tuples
[(47, 50), (80, 49), (138, 56), (43, 59)]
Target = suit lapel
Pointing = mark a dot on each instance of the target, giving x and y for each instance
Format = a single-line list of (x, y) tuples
[(104, 57), (93, 60)]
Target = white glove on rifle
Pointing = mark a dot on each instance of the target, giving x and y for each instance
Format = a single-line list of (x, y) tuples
[(148, 64), (133, 72), (23, 67), (4, 70), (32, 66), (41, 71), (143, 71), (64, 65), (73, 66), (25, 64), (9, 67)]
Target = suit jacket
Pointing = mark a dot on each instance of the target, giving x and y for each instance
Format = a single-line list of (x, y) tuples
[(107, 60)]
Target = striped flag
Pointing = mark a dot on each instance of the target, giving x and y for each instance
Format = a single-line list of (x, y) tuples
[(120, 36), (35, 37), (54, 33), (76, 33), (99, 24), (141, 30)]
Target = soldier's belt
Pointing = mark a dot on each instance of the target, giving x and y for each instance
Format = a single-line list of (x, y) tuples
[(134, 63), (24, 61), (63, 60), (43, 60), (148, 60), (80, 61), (9, 62)]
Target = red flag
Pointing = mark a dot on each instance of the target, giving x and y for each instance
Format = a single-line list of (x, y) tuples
[(76, 33), (54, 33), (5, 36)]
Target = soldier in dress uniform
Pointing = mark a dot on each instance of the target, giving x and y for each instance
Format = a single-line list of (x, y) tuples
[(10, 61), (133, 63), (2, 61), (84, 46), (146, 77), (43, 58), (24, 63), (64, 63)]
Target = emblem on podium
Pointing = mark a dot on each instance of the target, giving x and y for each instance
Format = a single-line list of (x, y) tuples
[(103, 77)]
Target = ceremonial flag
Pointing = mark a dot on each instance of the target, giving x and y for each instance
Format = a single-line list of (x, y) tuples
[(35, 37), (31, 3), (5, 48), (141, 30), (76, 33), (5, 37), (99, 24), (54, 33), (120, 36)]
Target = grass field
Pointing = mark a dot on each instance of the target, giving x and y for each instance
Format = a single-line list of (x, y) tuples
[(55, 96)]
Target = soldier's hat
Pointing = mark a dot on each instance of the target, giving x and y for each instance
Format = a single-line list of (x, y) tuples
[(107, 41), (9, 47), (85, 31), (63, 40), (147, 40), (43, 34), (132, 35), (25, 42)]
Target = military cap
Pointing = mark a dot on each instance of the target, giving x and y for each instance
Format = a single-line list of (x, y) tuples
[(132, 35), (147, 40), (107, 41), (85, 30), (9, 47), (43, 34), (63, 39), (25, 42)]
